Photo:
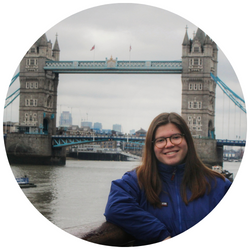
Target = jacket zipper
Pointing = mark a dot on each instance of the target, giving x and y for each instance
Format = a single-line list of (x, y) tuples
[(177, 197), (173, 174)]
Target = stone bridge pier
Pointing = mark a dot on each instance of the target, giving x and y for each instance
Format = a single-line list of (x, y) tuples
[(33, 149), (209, 152)]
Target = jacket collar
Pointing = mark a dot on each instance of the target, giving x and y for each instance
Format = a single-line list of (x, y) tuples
[(164, 169)]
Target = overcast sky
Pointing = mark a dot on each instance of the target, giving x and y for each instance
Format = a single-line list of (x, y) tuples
[(130, 100)]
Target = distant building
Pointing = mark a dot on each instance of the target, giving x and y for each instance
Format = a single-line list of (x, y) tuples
[(141, 132), (106, 131), (74, 127), (10, 127), (86, 124), (97, 126), (230, 154), (65, 119), (117, 127), (132, 131)]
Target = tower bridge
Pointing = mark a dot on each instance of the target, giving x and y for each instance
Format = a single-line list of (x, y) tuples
[(39, 79)]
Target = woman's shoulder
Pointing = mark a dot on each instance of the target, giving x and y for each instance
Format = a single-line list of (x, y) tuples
[(128, 182), (223, 181), (222, 184), (130, 176), (219, 188)]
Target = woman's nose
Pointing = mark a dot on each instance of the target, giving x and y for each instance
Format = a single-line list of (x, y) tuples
[(168, 143)]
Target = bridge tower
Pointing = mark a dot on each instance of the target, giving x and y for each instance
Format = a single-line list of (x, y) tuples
[(199, 59), (38, 88), (37, 109)]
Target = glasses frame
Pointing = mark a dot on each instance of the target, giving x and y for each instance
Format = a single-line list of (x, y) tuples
[(166, 141)]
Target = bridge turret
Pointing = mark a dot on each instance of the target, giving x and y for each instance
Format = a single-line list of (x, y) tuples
[(208, 46), (200, 36), (56, 50), (185, 45), (42, 45)]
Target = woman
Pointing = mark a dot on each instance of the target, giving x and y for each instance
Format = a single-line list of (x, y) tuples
[(170, 191)]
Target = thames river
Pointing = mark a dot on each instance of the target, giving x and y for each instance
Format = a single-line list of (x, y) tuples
[(76, 194)]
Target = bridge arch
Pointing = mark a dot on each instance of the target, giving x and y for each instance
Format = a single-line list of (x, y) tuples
[(45, 125), (210, 129)]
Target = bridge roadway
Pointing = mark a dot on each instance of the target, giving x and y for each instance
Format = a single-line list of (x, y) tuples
[(225, 142), (115, 67), (67, 140)]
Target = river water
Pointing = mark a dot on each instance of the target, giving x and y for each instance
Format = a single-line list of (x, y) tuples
[(76, 194)]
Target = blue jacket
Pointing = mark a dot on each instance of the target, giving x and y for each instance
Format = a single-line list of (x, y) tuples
[(128, 208)]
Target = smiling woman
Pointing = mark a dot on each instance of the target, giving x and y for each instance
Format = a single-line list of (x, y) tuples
[(170, 191)]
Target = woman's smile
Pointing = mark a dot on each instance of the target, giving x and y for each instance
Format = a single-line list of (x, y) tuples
[(171, 152)]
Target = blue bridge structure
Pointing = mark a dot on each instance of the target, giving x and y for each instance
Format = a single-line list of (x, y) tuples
[(112, 66), (66, 140), (238, 143)]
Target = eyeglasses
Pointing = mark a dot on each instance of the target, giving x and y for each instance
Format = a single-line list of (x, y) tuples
[(175, 139)]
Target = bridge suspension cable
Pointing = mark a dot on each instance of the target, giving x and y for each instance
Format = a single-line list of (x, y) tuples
[(231, 94), (14, 95), (14, 78)]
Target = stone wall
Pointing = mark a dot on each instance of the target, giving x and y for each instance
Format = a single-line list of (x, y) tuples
[(33, 149), (209, 152)]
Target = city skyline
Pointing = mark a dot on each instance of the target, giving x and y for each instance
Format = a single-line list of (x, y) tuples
[(131, 100), (96, 125)]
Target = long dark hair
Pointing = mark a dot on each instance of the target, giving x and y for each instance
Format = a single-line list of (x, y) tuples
[(197, 176)]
